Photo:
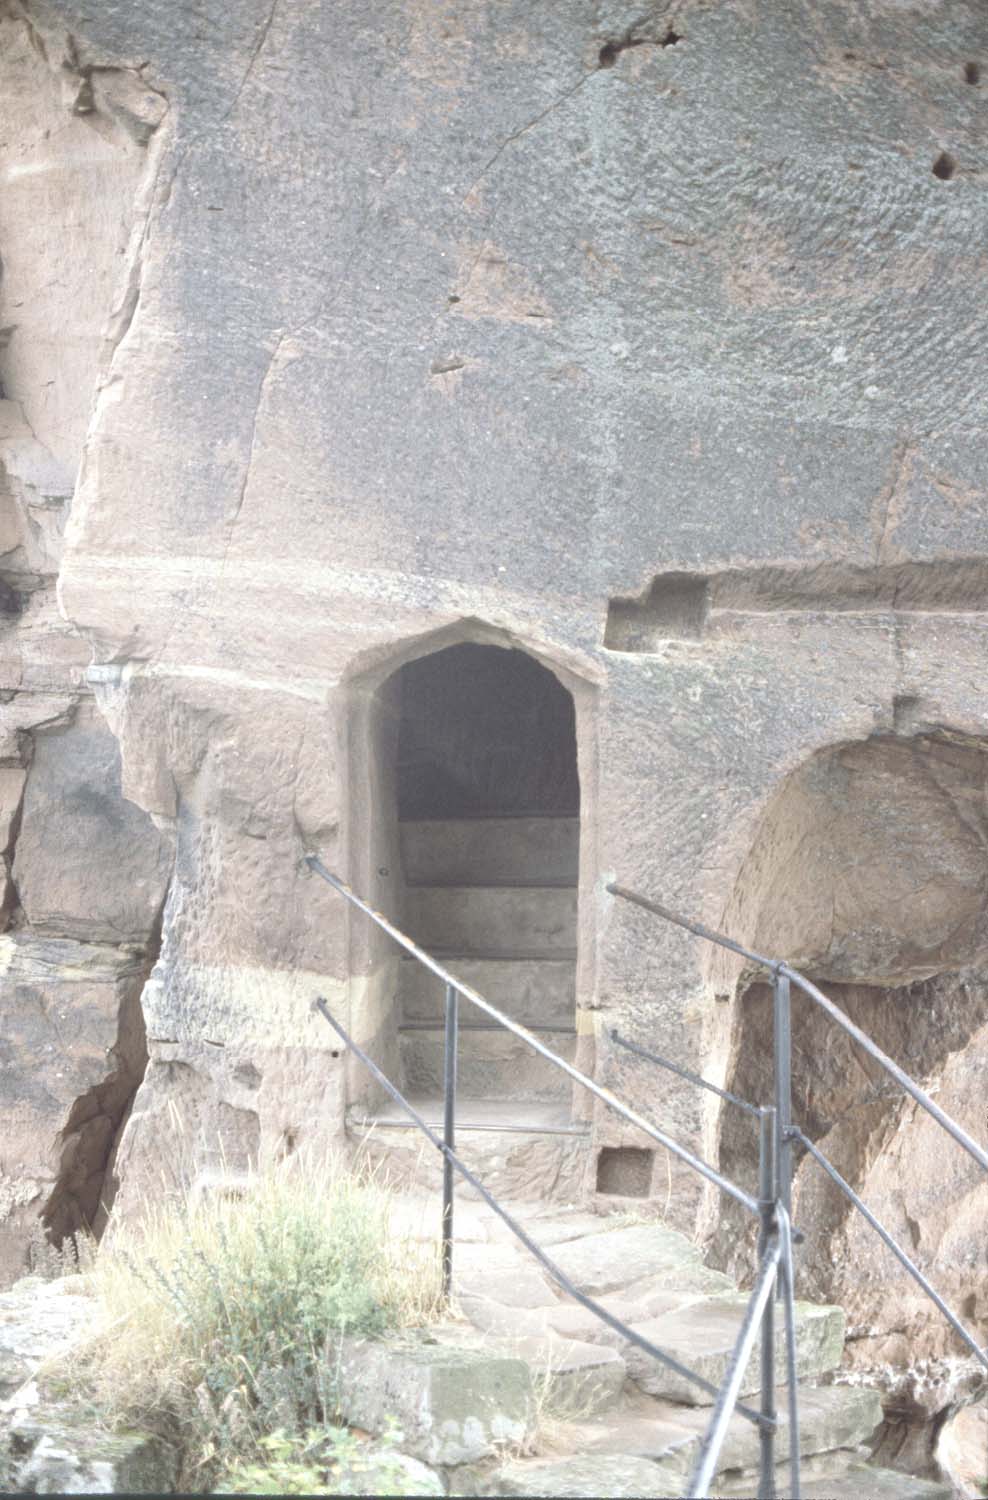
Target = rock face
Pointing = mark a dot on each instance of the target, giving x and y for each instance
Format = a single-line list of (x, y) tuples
[(647, 347), (84, 871), (868, 870)]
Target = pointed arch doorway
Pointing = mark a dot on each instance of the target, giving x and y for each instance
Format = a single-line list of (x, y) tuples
[(488, 808), (472, 761)]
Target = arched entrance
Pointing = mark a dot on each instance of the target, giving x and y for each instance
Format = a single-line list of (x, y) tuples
[(466, 830), (488, 806)]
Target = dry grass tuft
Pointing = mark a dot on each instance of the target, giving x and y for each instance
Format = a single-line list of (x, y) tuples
[(221, 1319)]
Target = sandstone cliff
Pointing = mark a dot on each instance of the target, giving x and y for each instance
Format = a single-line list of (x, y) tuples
[(649, 345)]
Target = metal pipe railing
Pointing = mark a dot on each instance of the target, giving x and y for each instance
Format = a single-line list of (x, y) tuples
[(782, 1082), (980, 1354), (450, 1041), (780, 967), (768, 1176), (727, 1396), (681, 1072), (468, 993), (787, 1234), (783, 977), (776, 1137), (772, 1214), (451, 1160)]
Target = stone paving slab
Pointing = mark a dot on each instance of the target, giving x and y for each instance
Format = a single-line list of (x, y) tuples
[(611, 1261), (571, 1320), (576, 1379), (475, 1259), (702, 1337), (523, 1287), (829, 1417), (593, 1476)]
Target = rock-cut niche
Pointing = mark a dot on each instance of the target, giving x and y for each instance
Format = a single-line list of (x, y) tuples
[(869, 872), (475, 840)]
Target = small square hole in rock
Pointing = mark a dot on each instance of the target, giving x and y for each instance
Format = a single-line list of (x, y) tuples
[(625, 1171)]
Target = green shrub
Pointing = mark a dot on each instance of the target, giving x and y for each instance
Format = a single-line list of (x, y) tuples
[(222, 1321), (331, 1461)]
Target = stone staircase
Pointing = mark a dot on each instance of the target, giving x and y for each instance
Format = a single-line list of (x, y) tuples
[(614, 1421), (495, 900)]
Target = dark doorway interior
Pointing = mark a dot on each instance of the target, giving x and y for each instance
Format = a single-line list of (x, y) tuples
[(485, 733), (488, 800)]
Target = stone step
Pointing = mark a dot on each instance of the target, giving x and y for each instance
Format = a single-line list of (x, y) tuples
[(526, 1151), (592, 1475), (860, 1481), (570, 1379), (639, 1260), (537, 991), (491, 851), (830, 1417), (702, 1337), (625, 1474), (839, 1474), (493, 921), (490, 1065), (635, 1272)]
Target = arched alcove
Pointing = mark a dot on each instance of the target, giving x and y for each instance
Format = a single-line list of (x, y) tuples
[(464, 825), (868, 872)]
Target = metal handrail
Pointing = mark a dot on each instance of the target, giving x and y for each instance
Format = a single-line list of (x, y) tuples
[(777, 1135), (703, 1168), (775, 1240), (681, 1072), (726, 1403), (778, 966), (980, 1354), (451, 1161), (786, 1133)]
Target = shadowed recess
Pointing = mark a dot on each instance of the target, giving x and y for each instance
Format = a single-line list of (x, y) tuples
[(679, 605)]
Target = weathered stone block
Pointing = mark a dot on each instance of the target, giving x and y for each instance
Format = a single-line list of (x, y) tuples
[(616, 1258), (453, 1405), (67, 1459), (702, 1337), (38, 1319), (70, 1014), (857, 1481), (88, 864)]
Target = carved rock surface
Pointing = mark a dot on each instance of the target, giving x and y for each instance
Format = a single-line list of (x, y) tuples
[(649, 346), (83, 871), (88, 864)]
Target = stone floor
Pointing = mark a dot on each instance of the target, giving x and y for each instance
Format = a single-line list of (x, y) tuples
[(614, 1421)]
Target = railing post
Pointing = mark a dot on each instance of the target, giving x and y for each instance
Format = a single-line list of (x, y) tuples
[(767, 1182), (782, 1050), (792, 1388), (449, 1132)]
